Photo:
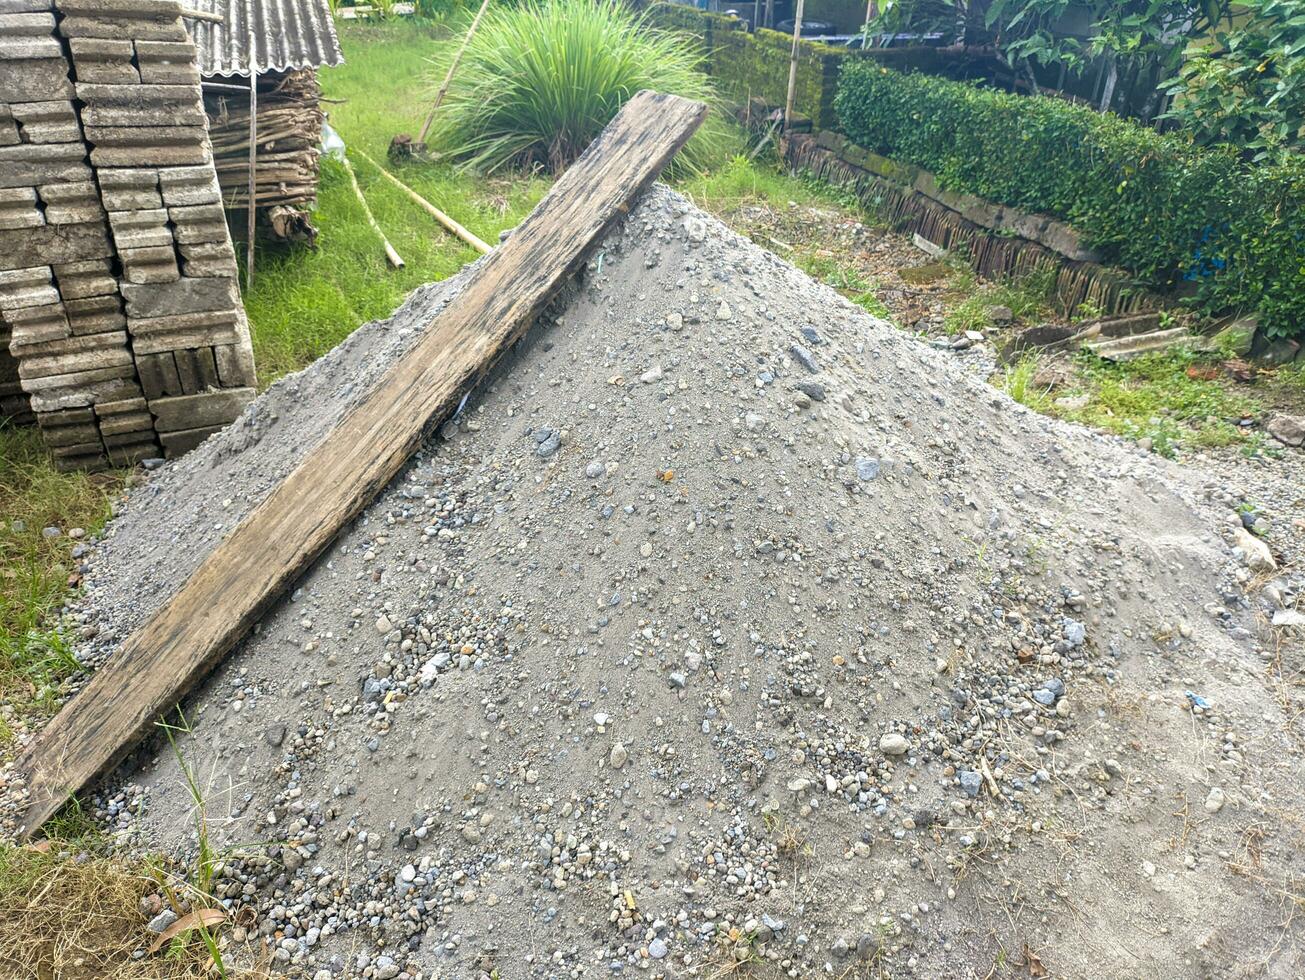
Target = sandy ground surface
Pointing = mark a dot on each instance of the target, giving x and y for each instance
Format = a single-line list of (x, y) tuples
[(729, 631)]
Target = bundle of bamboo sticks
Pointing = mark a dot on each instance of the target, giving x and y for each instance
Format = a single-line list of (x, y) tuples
[(289, 128)]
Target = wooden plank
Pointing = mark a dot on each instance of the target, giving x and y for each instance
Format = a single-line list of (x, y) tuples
[(264, 554)]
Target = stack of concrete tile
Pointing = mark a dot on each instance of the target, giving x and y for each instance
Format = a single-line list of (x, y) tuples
[(138, 84), (119, 279), (65, 333)]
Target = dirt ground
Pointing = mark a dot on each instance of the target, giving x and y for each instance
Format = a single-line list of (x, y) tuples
[(730, 631)]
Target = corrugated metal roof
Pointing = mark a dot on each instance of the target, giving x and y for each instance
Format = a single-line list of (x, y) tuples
[(286, 34)]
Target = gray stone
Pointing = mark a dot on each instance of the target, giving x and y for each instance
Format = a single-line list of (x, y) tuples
[(1288, 429), (41, 75), (1276, 350), (196, 411), (867, 468), (549, 444), (1238, 336), (1075, 632), (1257, 555), (893, 743), (971, 782), (804, 357), (161, 921)]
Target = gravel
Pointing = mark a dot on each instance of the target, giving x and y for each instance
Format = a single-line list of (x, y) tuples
[(725, 624)]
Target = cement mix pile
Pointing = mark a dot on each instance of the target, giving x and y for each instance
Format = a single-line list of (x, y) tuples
[(726, 630)]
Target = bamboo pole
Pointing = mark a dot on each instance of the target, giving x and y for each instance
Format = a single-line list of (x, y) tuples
[(467, 236), (253, 157), (439, 96), (390, 254), (189, 13), (792, 67)]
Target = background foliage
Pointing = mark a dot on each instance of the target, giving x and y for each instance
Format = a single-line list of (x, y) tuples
[(1248, 86)]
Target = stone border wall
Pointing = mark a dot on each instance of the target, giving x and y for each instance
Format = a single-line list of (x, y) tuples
[(118, 295), (998, 242)]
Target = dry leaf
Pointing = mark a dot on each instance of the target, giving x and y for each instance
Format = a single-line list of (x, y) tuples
[(200, 918), (1240, 370), (1031, 960), (40, 847)]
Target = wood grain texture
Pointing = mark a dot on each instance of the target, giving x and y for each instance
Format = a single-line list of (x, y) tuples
[(263, 555)]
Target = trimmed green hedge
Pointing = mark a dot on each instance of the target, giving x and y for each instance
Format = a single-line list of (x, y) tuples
[(1150, 203)]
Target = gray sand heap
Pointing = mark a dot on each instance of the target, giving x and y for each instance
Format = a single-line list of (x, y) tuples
[(725, 628)]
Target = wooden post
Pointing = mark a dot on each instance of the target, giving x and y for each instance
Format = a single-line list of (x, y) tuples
[(253, 157), (192, 630), (871, 12), (1112, 78), (439, 96), (792, 67)]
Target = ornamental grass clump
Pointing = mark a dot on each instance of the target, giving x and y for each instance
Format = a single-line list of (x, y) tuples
[(540, 80)]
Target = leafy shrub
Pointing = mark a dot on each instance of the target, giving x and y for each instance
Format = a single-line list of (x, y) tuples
[(1248, 88), (539, 81), (1151, 203), (1265, 250)]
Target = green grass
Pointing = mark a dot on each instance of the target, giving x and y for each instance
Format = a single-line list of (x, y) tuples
[(35, 569), (739, 182), (844, 276), (304, 303), (1026, 297), (1289, 380), (1019, 381), (1150, 397)]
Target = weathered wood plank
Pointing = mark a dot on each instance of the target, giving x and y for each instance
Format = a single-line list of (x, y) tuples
[(265, 552)]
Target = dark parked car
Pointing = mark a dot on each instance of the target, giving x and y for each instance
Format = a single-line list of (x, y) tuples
[(810, 28)]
